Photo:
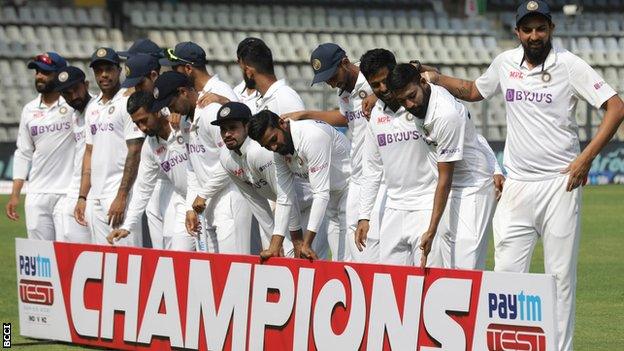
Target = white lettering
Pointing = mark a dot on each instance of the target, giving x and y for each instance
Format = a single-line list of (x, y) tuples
[(88, 266), (305, 283)]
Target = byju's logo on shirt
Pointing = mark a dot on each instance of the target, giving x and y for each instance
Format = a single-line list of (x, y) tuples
[(389, 138), (512, 95), (36, 130), (101, 127)]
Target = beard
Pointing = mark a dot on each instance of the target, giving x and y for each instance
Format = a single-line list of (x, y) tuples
[(80, 103), (44, 87), (289, 147), (250, 83), (537, 51)]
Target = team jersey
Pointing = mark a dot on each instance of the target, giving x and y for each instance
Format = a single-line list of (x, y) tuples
[(248, 99), (205, 145), (350, 104), (396, 148), (45, 146), (110, 126), (280, 99), (79, 130), (322, 157), (542, 134), (160, 159), (453, 138), (253, 173)]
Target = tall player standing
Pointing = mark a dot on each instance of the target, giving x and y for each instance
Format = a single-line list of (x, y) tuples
[(45, 145), (542, 196)]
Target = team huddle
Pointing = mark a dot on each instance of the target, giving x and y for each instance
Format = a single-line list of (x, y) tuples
[(249, 170)]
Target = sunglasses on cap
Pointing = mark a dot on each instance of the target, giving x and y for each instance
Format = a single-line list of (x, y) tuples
[(43, 58), (171, 56)]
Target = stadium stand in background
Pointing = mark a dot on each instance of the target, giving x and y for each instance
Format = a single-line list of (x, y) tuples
[(436, 32)]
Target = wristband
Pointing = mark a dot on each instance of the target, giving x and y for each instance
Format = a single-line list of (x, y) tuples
[(82, 197)]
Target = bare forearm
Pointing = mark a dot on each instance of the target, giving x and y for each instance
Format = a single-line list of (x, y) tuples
[(18, 184), (308, 238), (85, 179), (334, 118), (460, 88), (443, 189), (131, 167), (611, 122)]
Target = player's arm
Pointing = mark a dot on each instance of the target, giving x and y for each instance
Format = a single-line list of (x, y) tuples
[(460, 88), (443, 188), (334, 117), (21, 166), (117, 210), (286, 197), (373, 173), (85, 186), (499, 178)]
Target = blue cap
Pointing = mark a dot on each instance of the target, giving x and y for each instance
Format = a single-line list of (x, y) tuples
[(184, 53), (166, 87), (232, 111), (532, 7), (142, 46), (138, 67), (325, 60), (67, 77), (49, 62), (104, 54)]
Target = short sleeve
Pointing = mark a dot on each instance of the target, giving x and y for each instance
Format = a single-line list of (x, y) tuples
[(489, 82), (448, 132), (588, 84), (289, 101)]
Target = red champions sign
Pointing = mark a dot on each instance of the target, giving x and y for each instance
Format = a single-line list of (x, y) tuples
[(131, 298)]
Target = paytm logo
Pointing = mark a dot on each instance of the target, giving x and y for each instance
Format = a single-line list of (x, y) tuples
[(35, 266), (515, 306), (512, 95)]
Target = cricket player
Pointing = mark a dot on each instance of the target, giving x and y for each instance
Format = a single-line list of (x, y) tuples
[(315, 151), (112, 154), (141, 71), (542, 84), (164, 155), (396, 149), (256, 62), (71, 84), (228, 217), (332, 66), (252, 169), (465, 183), (44, 154), (246, 95)]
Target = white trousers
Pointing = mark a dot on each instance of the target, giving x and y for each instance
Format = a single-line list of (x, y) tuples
[(370, 254), (400, 233), (155, 211), (175, 237), (337, 225), (228, 223), (72, 231), (464, 227), (44, 215), (528, 210), (97, 221)]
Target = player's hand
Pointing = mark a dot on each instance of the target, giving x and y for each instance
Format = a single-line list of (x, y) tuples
[(79, 212), (199, 205), (174, 119), (270, 252), (293, 116), (426, 240), (192, 223), (431, 76), (499, 181), (307, 252), (208, 98), (367, 105), (577, 172), (361, 233), (11, 208), (117, 211), (116, 235)]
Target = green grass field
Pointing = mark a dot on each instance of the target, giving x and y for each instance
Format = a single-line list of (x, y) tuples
[(600, 291)]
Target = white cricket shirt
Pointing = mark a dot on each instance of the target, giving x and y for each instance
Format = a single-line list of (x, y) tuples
[(396, 148), (321, 156), (45, 146), (280, 99), (79, 130), (248, 99), (542, 134), (110, 126)]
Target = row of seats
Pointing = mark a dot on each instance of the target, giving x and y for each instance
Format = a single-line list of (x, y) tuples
[(591, 5), (587, 24), (308, 19), (53, 16)]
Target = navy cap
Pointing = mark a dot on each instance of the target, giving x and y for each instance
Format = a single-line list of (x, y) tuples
[(49, 62), (166, 87), (67, 77), (142, 46), (532, 7), (104, 54), (138, 67), (325, 60), (232, 111), (184, 53)]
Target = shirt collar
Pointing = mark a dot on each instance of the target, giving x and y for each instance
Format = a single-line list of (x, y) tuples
[(117, 95), (210, 84), (551, 59), (433, 104), (273, 88), (42, 105), (244, 148)]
